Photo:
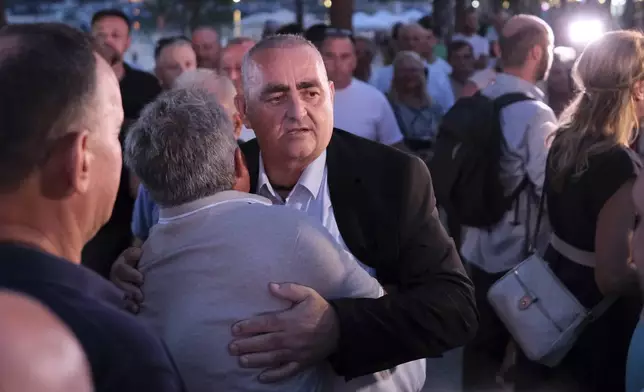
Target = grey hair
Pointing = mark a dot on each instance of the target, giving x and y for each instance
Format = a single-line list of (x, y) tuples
[(207, 79), (279, 41), (408, 54), (182, 147)]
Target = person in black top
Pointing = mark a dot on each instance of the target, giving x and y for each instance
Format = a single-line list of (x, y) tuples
[(588, 188), (112, 28), (60, 165)]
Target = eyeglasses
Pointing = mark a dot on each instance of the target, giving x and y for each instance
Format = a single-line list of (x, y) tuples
[(165, 42)]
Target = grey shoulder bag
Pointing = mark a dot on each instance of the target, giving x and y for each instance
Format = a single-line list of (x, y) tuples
[(542, 315)]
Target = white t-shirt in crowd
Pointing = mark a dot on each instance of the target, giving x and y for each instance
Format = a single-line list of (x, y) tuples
[(480, 44), (442, 66), (364, 111)]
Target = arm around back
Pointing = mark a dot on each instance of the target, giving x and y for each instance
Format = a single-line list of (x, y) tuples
[(433, 308)]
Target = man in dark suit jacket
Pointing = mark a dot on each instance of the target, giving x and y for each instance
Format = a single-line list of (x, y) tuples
[(385, 208), (383, 205)]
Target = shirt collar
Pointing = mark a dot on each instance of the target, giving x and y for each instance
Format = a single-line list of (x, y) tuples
[(311, 178), (514, 83), (219, 197)]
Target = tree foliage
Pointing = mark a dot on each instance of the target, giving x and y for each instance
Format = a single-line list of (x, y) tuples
[(188, 14)]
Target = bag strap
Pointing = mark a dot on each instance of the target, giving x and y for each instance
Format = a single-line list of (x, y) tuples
[(532, 239), (399, 120), (509, 99)]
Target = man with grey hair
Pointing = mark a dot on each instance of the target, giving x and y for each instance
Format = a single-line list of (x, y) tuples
[(376, 202), (146, 211), (209, 260)]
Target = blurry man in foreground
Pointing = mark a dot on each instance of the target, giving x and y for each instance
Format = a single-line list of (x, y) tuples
[(37, 352), (60, 166)]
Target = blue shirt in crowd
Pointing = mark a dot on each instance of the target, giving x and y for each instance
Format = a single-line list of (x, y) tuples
[(146, 214)]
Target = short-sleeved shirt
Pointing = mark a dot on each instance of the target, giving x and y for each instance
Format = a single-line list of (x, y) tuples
[(364, 111), (124, 355)]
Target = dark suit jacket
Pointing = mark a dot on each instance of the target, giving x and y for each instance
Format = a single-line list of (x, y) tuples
[(385, 208)]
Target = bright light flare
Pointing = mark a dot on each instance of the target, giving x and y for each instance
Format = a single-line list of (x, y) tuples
[(584, 31)]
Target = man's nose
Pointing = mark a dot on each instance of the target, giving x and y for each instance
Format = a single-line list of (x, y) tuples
[(234, 75), (296, 109)]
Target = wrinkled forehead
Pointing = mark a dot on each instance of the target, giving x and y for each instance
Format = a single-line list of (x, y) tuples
[(285, 66)]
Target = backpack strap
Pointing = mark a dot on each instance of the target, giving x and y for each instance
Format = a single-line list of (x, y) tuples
[(399, 120), (509, 99)]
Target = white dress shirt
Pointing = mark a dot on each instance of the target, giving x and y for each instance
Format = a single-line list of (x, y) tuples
[(311, 195)]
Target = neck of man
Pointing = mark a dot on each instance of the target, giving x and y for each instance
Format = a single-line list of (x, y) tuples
[(521, 73), (50, 231), (429, 57), (119, 70), (284, 177)]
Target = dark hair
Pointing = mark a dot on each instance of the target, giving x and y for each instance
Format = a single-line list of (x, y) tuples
[(395, 30), (428, 23), (163, 43), (515, 48), (48, 76), (457, 45), (316, 33), (332, 32), (292, 28), (112, 12)]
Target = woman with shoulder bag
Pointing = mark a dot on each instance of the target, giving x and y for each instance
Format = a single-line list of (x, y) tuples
[(589, 180)]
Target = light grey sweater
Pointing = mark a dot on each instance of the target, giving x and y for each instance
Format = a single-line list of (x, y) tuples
[(208, 264)]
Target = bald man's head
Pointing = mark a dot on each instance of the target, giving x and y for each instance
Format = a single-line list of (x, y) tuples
[(520, 35), (37, 352)]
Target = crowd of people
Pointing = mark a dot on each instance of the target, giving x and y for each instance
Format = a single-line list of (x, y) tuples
[(261, 216)]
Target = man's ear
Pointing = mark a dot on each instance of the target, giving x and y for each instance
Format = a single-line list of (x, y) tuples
[(240, 104), (81, 160), (242, 176), (332, 91), (237, 123), (536, 53), (70, 159), (128, 44)]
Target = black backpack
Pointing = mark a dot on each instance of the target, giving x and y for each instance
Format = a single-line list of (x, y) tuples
[(466, 168)]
